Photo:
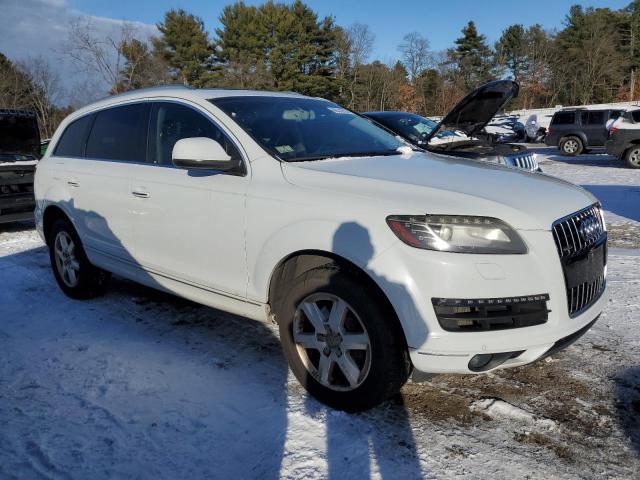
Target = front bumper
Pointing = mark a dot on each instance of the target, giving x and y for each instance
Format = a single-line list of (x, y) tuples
[(16, 207), (412, 277)]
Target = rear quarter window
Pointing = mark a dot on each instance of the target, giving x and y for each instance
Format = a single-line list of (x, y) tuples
[(74, 138), (564, 118)]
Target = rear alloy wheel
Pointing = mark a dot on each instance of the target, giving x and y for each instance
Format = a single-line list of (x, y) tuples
[(632, 157), (341, 339), (71, 267), (571, 146), (66, 262)]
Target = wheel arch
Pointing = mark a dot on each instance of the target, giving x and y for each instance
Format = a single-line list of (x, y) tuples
[(296, 263), (51, 214), (578, 134)]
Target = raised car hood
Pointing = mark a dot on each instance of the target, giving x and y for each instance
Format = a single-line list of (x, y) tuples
[(475, 110), (19, 135), (420, 183)]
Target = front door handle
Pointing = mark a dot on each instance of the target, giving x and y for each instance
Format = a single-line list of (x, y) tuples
[(140, 194), (73, 182)]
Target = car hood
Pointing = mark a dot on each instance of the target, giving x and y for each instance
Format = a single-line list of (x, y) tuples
[(475, 110), (418, 183)]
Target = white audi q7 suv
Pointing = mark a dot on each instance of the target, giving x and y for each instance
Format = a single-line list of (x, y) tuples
[(371, 257)]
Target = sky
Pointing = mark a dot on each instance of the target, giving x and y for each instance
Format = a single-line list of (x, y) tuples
[(32, 28), (439, 21)]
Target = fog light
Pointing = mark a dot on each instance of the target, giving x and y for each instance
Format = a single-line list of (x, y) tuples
[(486, 361), (478, 362)]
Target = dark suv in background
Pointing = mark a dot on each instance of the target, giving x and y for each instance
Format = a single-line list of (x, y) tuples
[(576, 130), (624, 138), (19, 154)]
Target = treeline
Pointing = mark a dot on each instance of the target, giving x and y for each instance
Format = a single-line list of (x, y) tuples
[(594, 58)]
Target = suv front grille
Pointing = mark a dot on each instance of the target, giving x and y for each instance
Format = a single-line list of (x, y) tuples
[(581, 240), (527, 161)]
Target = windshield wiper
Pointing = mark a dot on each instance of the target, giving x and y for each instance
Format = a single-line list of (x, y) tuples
[(346, 154), (310, 158)]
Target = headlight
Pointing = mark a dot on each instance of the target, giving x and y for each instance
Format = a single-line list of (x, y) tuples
[(457, 233)]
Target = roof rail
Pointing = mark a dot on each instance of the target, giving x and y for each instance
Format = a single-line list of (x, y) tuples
[(171, 86)]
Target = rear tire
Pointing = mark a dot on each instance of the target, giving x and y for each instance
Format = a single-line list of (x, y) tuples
[(74, 273), (352, 360), (571, 146), (632, 157)]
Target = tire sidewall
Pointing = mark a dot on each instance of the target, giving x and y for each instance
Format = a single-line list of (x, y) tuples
[(571, 154), (627, 157), (91, 280), (388, 351)]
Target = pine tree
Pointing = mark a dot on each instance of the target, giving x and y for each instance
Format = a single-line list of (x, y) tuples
[(472, 57), (279, 46), (185, 46), (511, 50)]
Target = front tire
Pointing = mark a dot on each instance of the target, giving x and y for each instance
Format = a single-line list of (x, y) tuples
[(341, 341), (74, 273), (571, 146), (632, 157)]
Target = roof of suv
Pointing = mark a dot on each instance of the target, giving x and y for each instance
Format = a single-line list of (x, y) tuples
[(588, 108), (179, 91)]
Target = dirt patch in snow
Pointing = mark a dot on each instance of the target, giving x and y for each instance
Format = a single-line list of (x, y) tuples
[(534, 438), (624, 235)]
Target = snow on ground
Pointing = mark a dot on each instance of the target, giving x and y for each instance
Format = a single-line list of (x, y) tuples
[(617, 187), (141, 384)]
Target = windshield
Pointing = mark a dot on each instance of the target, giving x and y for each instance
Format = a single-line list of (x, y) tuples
[(300, 129), (410, 126)]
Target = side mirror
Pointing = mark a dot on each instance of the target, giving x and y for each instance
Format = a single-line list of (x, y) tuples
[(201, 153)]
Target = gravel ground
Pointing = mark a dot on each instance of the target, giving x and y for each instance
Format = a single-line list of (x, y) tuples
[(140, 384)]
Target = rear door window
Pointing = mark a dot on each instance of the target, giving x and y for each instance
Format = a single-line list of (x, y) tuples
[(120, 133), (564, 118), (74, 138), (596, 118), (636, 116)]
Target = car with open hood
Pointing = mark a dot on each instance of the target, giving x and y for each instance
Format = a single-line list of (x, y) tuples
[(372, 257), (19, 153), (462, 132)]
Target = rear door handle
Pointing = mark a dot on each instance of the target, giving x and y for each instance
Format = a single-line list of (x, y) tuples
[(73, 182), (140, 194)]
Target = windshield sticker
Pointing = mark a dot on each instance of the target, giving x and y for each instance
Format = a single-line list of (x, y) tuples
[(284, 149), (339, 110)]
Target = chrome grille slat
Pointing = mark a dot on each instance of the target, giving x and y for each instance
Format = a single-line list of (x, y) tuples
[(525, 161), (574, 236)]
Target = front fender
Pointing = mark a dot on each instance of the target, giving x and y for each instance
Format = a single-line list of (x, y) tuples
[(349, 240)]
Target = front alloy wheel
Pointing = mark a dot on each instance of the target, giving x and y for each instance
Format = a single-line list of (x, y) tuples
[(332, 342), (340, 337)]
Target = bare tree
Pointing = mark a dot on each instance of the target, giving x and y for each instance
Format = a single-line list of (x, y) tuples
[(44, 92), (416, 55), (359, 43), (102, 57)]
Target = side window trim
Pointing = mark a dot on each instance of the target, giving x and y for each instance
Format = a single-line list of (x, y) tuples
[(242, 171)]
